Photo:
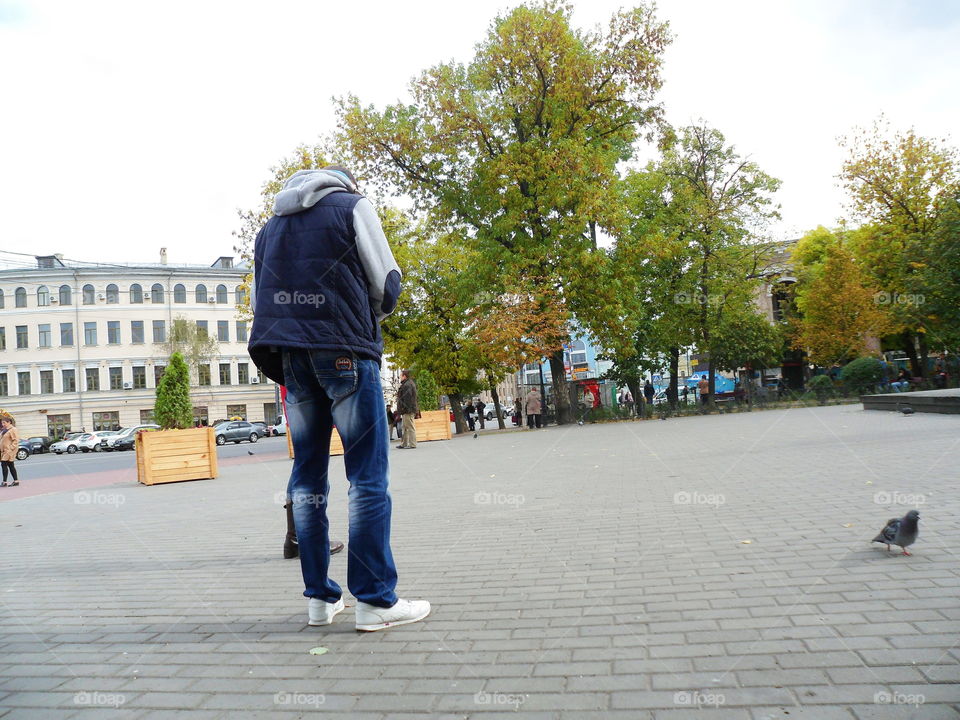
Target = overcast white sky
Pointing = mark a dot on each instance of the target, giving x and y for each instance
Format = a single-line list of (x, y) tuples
[(128, 126)]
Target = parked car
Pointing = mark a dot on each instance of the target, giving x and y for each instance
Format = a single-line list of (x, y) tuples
[(90, 442), (126, 442), (39, 444), (68, 444), (111, 442), (24, 451), (235, 432), (260, 427)]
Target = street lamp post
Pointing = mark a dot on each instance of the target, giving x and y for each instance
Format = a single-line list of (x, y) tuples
[(543, 393)]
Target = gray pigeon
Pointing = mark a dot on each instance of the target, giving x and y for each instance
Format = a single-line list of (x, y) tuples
[(900, 531), (905, 409)]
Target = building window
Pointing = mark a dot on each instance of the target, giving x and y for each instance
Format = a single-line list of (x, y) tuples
[(223, 330), (22, 337), (225, 374), (66, 334), (58, 426), (113, 294), (44, 335), (69, 378), (136, 331), (203, 374), (201, 293), (43, 296), (241, 330), (200, 416), (156, 294), (93, 378), (139, 377), (179, 293), (146, 417), (113, 332), (66, 296), (237, 411), (136, 293), (222, 294), (89, 295), (243, 373), (202, 328), (3, 338), (270, 413), (159, 331), (116, 378), (4, 384), (239, 295), (157, 374), (23, 383), (260, 376), (46, 382), (89, 333), (20, 297), (106, 420)]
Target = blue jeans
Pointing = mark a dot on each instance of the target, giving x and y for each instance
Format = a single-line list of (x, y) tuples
[(326, 388)]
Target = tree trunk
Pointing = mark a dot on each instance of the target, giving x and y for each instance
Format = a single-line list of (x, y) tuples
[(456, 404), (910, 348), (561, 389), (496, 406), (672, 394), (924, 352)]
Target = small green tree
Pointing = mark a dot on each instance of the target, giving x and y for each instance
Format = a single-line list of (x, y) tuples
[(428, 395), (194, 345), (173, 409)]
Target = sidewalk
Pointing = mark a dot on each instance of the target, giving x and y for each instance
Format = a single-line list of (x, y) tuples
[(708, 567)]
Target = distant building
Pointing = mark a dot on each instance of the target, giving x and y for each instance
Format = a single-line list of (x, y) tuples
[(81, 346)]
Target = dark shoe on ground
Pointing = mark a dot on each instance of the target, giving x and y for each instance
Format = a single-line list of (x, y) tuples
[(335, 547)]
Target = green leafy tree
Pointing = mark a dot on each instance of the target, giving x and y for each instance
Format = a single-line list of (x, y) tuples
[(862, 375), (428, 394), (173, 409), (518, 150)]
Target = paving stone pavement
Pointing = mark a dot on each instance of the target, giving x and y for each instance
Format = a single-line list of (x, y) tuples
[(709, 568)]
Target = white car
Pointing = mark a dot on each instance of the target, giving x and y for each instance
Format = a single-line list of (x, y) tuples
[(90, 442), (109, 440), (69, 444), (279, 427)]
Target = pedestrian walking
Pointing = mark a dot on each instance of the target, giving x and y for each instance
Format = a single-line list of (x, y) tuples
[(704, 388), (409, 409), (324, 278), (9, 447), (390, 419), (648, 392), (534, 408), (481, 412), (517, 412), (468, 414)]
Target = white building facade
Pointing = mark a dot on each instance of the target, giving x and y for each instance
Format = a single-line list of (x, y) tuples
[(82, 347)]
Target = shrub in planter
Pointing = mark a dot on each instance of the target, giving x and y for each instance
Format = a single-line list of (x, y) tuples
[(178, 451), (862, 375)]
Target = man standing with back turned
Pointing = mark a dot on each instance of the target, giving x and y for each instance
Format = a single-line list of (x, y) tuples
[(324, 278), (408, 406)]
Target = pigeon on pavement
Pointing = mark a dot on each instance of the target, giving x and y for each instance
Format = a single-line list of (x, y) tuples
[(905, 409), (900, 531)]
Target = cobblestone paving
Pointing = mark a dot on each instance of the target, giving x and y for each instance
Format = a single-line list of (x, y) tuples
[(708, 568)]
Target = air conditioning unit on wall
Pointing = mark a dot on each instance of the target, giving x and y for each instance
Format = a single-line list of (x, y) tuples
[(255, 380), (128, 386)]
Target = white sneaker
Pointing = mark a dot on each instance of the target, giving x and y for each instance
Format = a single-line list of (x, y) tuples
[(322, 612), (371, 617)]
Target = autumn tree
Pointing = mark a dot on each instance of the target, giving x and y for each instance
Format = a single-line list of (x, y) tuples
[(838, 310), (900, 185), (517, 150), (193, 344)]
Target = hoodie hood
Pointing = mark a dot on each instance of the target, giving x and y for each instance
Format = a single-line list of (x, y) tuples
[(305, 188)]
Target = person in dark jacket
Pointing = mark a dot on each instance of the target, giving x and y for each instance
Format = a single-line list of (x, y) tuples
[(390, 419), (324, 277), (468, 411), (648, 392), (409, 409), (481, 413)]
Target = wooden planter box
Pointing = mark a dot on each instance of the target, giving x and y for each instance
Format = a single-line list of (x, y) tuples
[(432, 425), (166, 456)]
